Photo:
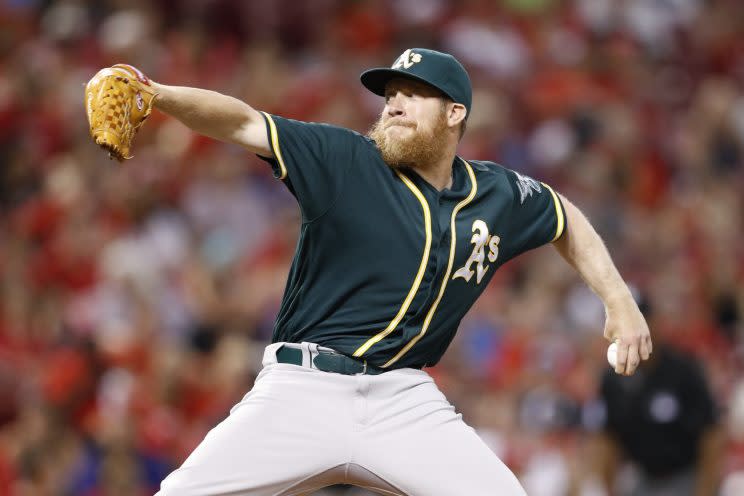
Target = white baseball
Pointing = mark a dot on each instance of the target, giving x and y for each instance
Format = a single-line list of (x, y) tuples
[(612, 354)]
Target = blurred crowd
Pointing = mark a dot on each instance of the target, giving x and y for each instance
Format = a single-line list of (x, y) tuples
[(136, 299)]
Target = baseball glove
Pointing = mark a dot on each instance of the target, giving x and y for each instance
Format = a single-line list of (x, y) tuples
[(118, 99)]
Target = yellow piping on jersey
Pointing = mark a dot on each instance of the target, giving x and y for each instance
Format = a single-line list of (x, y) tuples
[(275, 145), (453, 242), (420, 275), (560, 221)]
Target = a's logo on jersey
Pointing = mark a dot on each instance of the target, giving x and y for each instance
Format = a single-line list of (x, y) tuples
[(481, 239), (406, 60), (526, 186)]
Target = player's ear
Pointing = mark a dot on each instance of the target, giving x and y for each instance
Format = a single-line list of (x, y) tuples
[(456, 113)]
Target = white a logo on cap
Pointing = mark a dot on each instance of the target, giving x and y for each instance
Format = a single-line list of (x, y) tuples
[(406, 60)]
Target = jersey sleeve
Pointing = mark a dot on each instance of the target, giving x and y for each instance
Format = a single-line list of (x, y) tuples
[(537, 213), (311, 159)]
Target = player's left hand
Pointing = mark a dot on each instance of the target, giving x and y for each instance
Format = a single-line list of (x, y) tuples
[(118, 99), (626, 325)]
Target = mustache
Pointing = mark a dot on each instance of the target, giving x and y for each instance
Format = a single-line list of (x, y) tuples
[(399, 122)]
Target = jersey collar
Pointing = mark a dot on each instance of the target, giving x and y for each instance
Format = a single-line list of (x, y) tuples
[(461, 184), (460, 181)]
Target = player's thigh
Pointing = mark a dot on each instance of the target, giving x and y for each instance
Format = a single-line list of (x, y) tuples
[(425, 448), (282, 433), (449, 461)]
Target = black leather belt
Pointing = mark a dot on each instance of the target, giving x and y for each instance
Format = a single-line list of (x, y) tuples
[(328, 361)]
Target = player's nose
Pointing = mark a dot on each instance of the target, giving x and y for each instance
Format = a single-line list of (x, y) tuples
[(394, 105)]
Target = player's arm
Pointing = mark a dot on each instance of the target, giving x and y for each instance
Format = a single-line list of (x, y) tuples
[(582, 247), (215, 115)]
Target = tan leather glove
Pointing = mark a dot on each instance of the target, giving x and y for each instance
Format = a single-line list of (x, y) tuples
[(118, 99)]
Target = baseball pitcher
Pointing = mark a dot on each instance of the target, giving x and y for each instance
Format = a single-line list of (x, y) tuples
[(399, 237)]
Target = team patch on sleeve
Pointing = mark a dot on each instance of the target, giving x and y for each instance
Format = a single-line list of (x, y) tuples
[(526, 186), (537, 214)]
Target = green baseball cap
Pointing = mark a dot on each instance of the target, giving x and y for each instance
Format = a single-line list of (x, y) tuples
[(437, 69)]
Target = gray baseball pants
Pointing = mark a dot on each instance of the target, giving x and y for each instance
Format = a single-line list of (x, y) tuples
[(300, 429)]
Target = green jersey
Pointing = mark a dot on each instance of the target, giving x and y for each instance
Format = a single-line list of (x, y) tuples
[(386, 265)]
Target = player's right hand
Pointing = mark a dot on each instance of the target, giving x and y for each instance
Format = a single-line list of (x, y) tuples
[(626, 325)]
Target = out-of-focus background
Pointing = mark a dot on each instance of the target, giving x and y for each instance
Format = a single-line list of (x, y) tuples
[(135, 300)]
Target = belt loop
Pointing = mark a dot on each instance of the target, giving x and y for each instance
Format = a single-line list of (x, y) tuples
[(269, 356), (306, 360), (312, 351)]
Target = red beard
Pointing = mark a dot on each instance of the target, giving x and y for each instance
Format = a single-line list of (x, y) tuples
[(422, 149)]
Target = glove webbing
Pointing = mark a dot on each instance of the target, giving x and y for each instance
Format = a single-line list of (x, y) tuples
[(113, 116)]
